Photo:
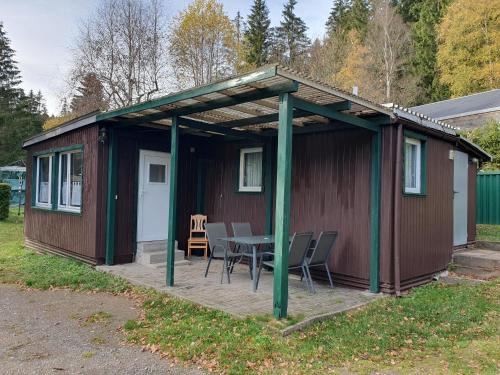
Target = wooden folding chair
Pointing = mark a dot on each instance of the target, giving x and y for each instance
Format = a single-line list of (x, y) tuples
[(198, 235)]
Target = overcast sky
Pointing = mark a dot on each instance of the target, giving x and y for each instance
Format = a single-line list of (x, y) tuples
[(42, 33)]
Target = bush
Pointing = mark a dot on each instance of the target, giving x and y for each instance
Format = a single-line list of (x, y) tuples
[(4, 201)]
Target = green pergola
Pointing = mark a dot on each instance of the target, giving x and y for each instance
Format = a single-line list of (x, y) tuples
[(264, 105)]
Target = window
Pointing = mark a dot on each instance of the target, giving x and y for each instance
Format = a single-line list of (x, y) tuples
[(413, 166), (70, 181), (250, 179), (43, 180), (157, 173)]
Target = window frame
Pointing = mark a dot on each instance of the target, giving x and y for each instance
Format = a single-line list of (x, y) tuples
[(37, 203), (241, 171), (421, 142), (68, 207)]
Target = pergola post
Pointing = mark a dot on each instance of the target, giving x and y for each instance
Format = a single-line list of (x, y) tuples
[(375, 212), (111, 197), (282, 216), (172, 209)]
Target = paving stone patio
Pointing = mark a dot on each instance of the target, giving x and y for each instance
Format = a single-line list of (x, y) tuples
[(237, 297)]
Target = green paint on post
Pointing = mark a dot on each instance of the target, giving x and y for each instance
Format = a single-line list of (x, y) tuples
[(111, 197), (172, 209), (283, 182), (375, 214), (268, 187)]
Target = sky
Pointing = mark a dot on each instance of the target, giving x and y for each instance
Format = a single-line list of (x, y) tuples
[(42, 32)]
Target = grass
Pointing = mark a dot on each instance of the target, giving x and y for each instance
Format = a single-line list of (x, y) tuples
[(434, 329), (487, 232)]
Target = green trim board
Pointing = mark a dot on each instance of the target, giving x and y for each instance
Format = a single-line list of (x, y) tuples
[(334, 114), (423, 163), (172, 209), (282, 216), (245, 79), (375, 181), (59, 149), (111, 197)]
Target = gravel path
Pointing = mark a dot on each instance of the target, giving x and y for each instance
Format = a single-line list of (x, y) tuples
[(63, 332)]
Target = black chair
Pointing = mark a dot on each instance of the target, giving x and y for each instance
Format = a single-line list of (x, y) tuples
[(296, 257), (321, 254)]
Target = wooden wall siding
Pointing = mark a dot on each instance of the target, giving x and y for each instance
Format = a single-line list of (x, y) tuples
[(471, 207), (222, 202), (389, 135), (129, 144), (427, 221), (73, 233), (330, 191)]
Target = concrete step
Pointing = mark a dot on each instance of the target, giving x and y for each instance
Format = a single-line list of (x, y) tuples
[(177, 263), (480, 258), (487, 245), (476, 272), (154, 257), (152, 246)]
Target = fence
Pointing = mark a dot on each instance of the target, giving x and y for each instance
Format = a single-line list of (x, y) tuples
[(488, 198)]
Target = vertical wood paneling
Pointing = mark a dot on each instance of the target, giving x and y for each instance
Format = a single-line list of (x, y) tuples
[(73, 233), (427, 221)]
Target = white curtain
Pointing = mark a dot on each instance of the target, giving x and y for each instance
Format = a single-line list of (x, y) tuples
[(253, 169)]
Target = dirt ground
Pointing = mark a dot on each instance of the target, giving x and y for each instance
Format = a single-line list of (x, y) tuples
[(63, 332)]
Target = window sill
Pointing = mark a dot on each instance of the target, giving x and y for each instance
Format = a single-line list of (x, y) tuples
[(421, 195), (57, 211), (249, 192)]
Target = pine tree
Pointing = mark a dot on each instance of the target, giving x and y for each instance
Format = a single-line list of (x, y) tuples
[(89, 97), (424, 34), (257, 34), (338, 16), (10, 77), (292, 32), (239, 50), (358, 17)]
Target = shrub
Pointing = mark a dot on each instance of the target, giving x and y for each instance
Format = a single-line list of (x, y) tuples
[(4, 201)]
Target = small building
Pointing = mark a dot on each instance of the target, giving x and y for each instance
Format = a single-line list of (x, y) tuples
[(467, 112), (270, 147), (15, 176)]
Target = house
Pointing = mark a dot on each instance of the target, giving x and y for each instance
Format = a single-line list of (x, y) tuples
[(467, 112), (271, 147), (14, 175)]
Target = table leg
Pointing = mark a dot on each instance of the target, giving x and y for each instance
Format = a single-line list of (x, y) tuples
[(254, 268)]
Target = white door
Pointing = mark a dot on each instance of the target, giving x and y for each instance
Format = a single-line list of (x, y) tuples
[(460, 182), (152, 210)]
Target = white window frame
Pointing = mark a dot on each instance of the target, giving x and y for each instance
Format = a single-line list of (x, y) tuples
[(418, 166), (68, 206), (241, 179), (37, 184)]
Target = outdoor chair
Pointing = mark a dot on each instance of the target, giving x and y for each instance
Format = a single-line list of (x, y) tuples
[(198, 235), (243, 230), (321, 254), (220, 249), (296, 257)]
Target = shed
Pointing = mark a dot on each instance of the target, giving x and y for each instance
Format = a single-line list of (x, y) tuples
[(272, 147)]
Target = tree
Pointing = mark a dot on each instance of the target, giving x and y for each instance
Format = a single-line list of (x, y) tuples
[(293, 35), (358, 17), (469, 46), (488, 138), (239, 43), (201, 43), (10, 76), (258, 34), (89, 96), (122, 43), (338, 17), (427, 15)]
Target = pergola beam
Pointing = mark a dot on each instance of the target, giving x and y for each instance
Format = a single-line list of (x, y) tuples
[(221, 130), (333, 114)]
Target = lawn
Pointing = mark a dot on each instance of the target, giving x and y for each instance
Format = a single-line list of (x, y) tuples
[(434, 329), (487, 232)]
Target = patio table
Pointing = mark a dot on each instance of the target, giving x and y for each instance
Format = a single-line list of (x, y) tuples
[(252, 241)]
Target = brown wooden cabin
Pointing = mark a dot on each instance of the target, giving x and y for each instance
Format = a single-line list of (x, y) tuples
[(398, 186)]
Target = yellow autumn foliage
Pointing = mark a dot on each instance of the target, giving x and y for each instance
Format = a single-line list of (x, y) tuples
[(469, 46), (53, 122)]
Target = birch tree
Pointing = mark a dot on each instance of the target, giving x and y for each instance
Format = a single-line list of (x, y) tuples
[(123, 44)]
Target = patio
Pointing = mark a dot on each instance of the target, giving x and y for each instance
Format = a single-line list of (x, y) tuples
[(237, 298)]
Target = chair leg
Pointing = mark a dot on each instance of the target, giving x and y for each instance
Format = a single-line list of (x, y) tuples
[(329, 276), (208, 265), (206, 252), (308, 275), (189, 252), (223, 269), (258, 276)]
